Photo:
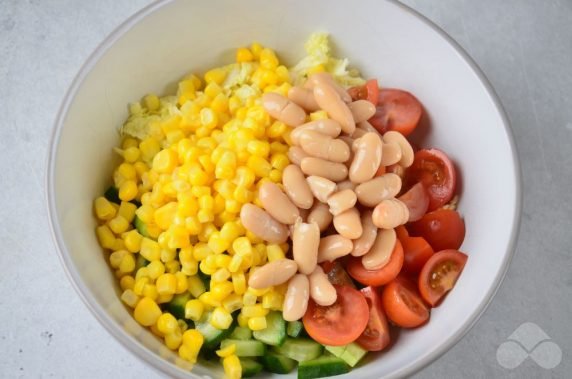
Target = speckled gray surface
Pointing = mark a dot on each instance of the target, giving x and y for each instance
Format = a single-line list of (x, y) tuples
[(523, 46)]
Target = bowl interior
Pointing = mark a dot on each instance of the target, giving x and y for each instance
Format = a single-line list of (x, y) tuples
[(153, 49)]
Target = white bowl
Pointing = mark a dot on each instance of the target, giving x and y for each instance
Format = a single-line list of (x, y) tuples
[(386, 40)]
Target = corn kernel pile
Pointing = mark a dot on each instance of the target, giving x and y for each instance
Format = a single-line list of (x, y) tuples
[(191, 162)]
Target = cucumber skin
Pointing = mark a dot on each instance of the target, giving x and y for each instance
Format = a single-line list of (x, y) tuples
[(112, 194), (204, 327), (322, 367), (275, 333), (241, 333), (297, 349), (250, 348), (294, 328), (177, 306), (277, 363), (250, 367)]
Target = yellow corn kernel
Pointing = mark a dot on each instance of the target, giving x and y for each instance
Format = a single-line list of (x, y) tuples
[(230, 231), (235, 263), (146, 312), (220, 103), (227, 351), (318, 115), (128, 190), (150, 291), (276, 130), (127, 211), (274, 252), (172, 267), (217, 243), (275, 176), (201, 251), (173, 340), (116, 257), (278, 147), (132, 240), (167, 323), (192, 343), (186, 254), (118, 224), (190, 268), (105, 236), (156, 331), (243, 54), (242, 246), (249, 299), (118, 244), (226, 166), (142, 272), (140, 284), (127, 264), (208, 299), (145, 213), (257, 323), (150, 249), (239, 283), (232, 302), (205, 215), (206, 201), (130, 298), (221, 290), (216, 75), (168, 255), (259, 165), (279, 161), (129, 141), (155, 269), (126, 171), (222, 260), (272, 300), (104, 210), (196, 286), (242, 320), (212, 90), (259, 291), (182, 282), (197, 177), (164, 298), (254, 310), (220, 275), (258, 148), (127, 282), (166, 284), (194, 309), (220, 318), (163, 217), (193, 225), (149, 147), (152, 102), (165, 161), (268, 59), (178, 237), (219, 204)]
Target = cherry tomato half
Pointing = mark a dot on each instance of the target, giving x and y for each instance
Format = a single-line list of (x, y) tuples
[(416, 251), (436, 172), (417, 201), (403, 305), (369, 91), (337, 274), (396, 110), (380, 276), (375, 337), (440, 274), (443, 229), (340, 323)]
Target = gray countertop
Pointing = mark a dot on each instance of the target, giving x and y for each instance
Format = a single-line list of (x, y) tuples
[(523, 46)]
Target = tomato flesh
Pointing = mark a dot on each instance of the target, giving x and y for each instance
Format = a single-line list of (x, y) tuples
[(403, 305), (436, 172), (416, 251), (439, 275), (340, 323), (376, 336), (379, 276), (337, 274), (369, 91), (396, 110), (443, 229), (417, 201)]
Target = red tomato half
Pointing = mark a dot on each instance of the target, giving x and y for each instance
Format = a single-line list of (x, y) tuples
[(375, 337), (337, 274), (436, 172), (369, 91), (417, 201), (443, 229), (380, 276), (340, 323), (396, 110), (440, 274), (416, 251), (403, 305)]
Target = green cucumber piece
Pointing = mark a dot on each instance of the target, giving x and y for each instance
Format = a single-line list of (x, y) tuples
[(351, 353), (250, 348), (249, 367), (275, 332), (300, 349), (206, 280), (140, 262), (177, 305), (212, 335), (326, 365), (241, 333), (295, 328), (277, 363), (141, 227), (112, 194)]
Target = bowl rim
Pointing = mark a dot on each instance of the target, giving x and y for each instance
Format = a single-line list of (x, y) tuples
[(164, 366)]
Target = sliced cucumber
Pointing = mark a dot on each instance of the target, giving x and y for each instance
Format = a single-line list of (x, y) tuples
[(177, 305), (140, 262), (241, 333), (300, 349), (206, 280), (112, 194), (351, 353), (141, 227), (250, 348), (275, 332), (322, 367), (295, 328), (277, 363), (249, 367), (212, 335)]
